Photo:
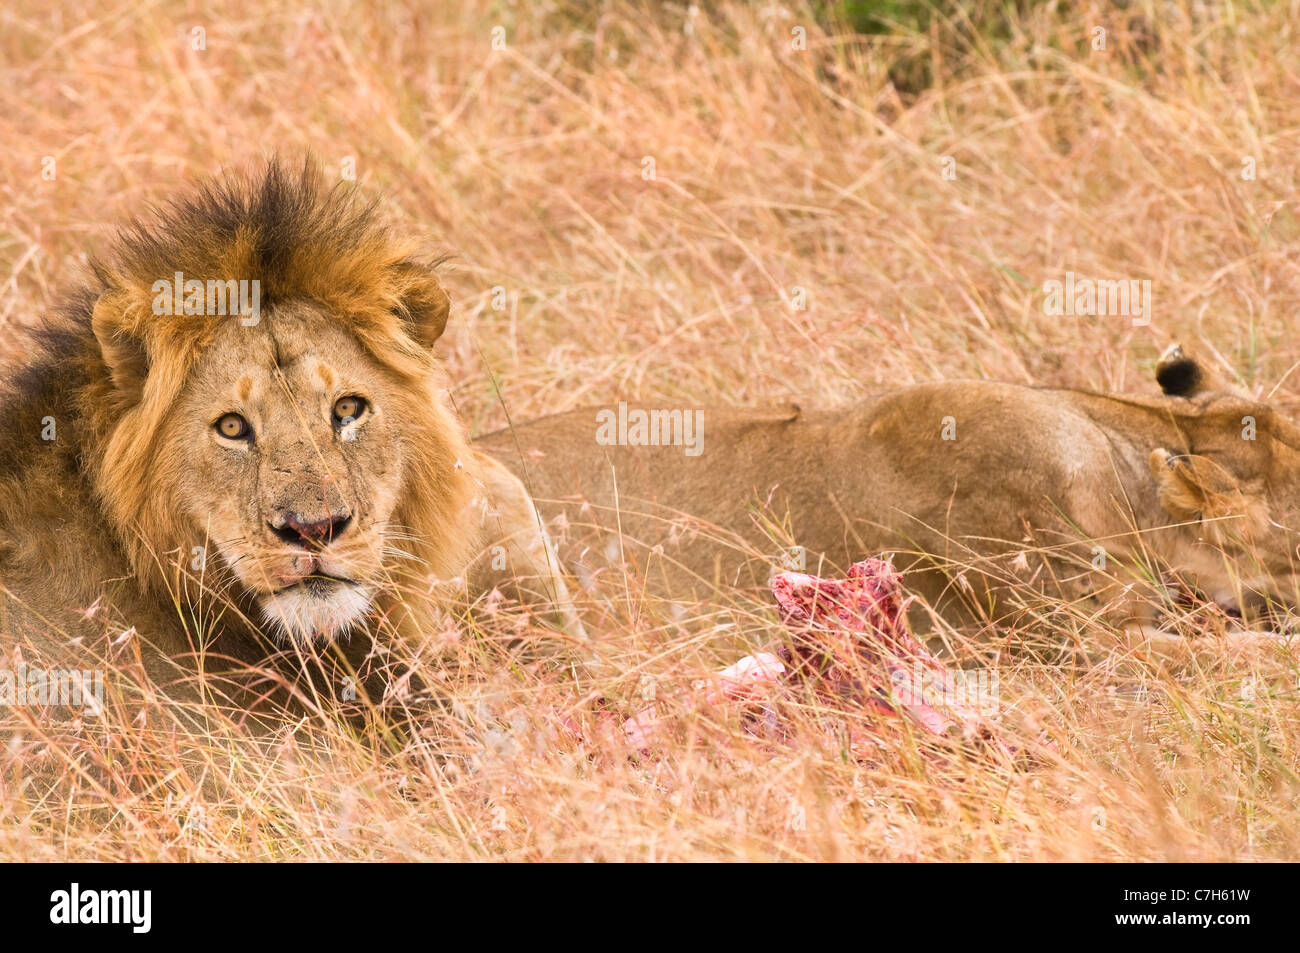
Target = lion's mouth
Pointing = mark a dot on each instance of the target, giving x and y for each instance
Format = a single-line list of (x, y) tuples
[(318, 584), (313, 601)]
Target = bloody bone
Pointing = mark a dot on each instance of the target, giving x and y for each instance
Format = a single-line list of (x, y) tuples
[(851, 645), (850, 640)]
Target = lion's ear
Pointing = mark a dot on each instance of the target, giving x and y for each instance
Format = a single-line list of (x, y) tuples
[(120, 346), (1193, 488), (1178, 373), (423, 304)]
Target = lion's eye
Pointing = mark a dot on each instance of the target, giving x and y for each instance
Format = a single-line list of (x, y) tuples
[(348, 409), (233, 427)]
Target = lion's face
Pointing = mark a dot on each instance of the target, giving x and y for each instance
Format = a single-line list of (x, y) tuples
[(1237, 480), (288, 439), (311, 452)]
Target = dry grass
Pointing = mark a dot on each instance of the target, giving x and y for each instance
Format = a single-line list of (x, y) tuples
[(776, 169)]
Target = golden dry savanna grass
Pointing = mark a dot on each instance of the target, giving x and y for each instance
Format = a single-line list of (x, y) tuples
[(775, 169)]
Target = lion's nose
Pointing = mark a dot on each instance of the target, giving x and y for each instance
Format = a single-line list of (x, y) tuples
[(296, 529)]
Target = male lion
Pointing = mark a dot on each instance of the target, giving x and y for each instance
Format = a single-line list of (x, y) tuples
[(979, 487), (236, 439)]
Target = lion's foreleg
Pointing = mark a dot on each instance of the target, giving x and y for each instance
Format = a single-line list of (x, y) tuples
[(519, 558)]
